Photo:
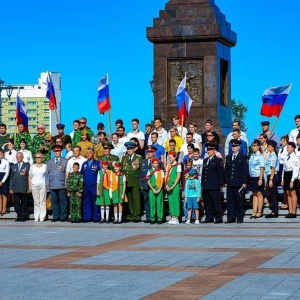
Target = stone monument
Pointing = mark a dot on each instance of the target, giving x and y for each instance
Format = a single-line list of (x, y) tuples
[(193, 37)]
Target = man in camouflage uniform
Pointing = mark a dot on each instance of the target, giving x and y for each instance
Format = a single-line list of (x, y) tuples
[(4, 137), (22, 135), (74, 190), (131, 167), (77, 134), (39, 142), (107, 147)]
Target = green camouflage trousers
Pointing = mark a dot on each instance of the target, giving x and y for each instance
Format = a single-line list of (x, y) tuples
[(75, 207)]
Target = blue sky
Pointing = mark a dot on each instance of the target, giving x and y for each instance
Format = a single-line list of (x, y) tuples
[(85, 40)]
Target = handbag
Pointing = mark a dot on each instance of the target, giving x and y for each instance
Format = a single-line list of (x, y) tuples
[(48, 203)]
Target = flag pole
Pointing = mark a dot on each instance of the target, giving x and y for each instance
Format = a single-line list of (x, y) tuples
[(56, 114), (16, 125), (181, 133), (273, 128), (109, 121)]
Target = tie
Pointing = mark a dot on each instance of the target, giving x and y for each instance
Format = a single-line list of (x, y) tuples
[(288, 157), (19, 166), (129, 158), (56, 160), (9, 152), (234, 156)]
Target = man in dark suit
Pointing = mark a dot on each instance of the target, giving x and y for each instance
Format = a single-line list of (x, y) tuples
[(143, 180), (18, 187), (236, 176), (212, 180), (56, 182)]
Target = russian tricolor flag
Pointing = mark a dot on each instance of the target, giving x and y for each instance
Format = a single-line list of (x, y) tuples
[(51, 93), (21, 113), (273, 100), (184, 101), (103, 101)]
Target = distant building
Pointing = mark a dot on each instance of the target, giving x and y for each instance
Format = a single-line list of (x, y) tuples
[(34, 95)]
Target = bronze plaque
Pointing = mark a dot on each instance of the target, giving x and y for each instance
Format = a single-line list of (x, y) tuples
[(176, 70)]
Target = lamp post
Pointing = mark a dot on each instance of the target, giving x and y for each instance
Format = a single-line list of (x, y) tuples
[(9, 90)]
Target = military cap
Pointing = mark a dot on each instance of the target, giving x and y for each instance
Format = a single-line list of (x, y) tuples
[(151, 148), (100, 125), (108, 145), (104, 163), (154, 159), (117, 165), (173, 153), (235, 142), (56, 148), (265, 123), (210, 146), (60, 126), (272, 143), (130, 145)]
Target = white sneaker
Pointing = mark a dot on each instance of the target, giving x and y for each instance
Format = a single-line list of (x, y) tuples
[(188, 222), (175, 222), (171, 221), (197, 222)]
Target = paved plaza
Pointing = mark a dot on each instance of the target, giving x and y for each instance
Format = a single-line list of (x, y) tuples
[(141, 261)]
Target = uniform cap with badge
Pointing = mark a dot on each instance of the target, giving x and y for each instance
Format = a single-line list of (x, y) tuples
[(210, 146), (130, 145), (265, 123), (108, 145), (56, 148), (151, 148), (60, 126), (235, 143)]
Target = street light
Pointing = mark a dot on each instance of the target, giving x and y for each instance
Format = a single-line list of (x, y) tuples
[(9, 90)]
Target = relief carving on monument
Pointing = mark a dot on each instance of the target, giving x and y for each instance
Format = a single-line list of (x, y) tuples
[(194, 71)]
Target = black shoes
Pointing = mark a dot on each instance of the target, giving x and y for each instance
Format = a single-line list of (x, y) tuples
[(54, 220), (271, 216), (229, 221), (208, 221), (218, 222), (291, 216)]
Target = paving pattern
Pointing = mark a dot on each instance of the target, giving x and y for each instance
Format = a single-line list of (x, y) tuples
[(138, 261)]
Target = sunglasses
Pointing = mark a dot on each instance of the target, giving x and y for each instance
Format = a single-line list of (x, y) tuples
[(82, 122)]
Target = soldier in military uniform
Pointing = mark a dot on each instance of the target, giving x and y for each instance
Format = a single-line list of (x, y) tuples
[(74, 191), (212, 180), (39, 142), (130, 167), (4, 137), (77, 133), (22, 135), (236, 178), (64, 137), (110, 158)]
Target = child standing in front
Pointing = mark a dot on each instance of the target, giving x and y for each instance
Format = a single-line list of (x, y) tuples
[(155, 182), (117, 192), (103, 197), (192, 191), (74, 190)]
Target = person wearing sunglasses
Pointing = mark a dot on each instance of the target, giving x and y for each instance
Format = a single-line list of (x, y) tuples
[(39, 140), (77, 134)]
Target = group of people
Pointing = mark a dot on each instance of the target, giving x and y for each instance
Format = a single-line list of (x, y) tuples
[(114, 178)]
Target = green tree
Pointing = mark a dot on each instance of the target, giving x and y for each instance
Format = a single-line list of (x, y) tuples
[(238, 113)]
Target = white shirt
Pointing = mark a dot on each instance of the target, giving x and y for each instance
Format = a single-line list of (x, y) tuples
[(230, 137), (74, 159), (293, 135), (197, 165), (282, 154), (118, 150), (139, 135), (11, 158), (27, 156), (184, 150), (197, 138), (38, 175), (124, 140), (4, 168), (291, 163), (162, 137)]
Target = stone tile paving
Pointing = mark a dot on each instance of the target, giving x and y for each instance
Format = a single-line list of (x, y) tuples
[(159, 258)]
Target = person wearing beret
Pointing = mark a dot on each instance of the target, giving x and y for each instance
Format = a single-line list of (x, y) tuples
[(212, 180), (236, 178), (56, 182), (131, 167), (289, 179), (265, 126), (256, 182), (66, 139), (107, 156), (271, 169)]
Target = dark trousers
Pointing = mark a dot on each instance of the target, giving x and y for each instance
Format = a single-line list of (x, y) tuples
[(59, 203), (91, 211), (212, 205), (134, 205), (20, 205), (146, 203), (272, 194), (235, 207)]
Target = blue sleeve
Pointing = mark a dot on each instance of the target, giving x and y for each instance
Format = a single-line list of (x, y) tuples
[(261, 161)]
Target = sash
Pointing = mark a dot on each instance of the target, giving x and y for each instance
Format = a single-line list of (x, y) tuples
[(169, 169)]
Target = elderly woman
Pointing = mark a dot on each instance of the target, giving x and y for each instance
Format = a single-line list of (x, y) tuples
[(37, 185), (4, 172)]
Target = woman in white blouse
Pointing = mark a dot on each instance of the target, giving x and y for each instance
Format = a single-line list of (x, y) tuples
[(119, 149), (27, 155), (4, 172), (37, 185)]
